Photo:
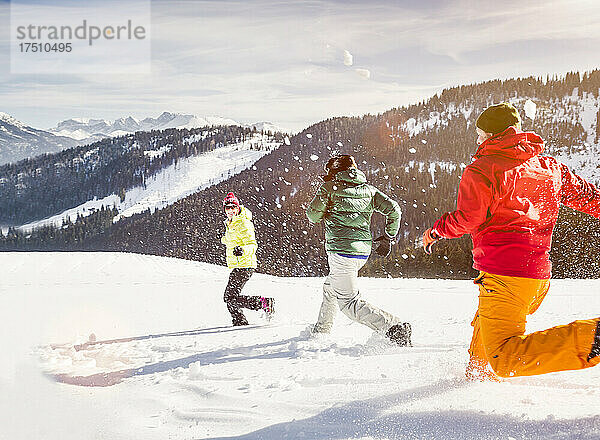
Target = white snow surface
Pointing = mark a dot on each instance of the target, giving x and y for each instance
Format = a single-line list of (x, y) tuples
[(173, 183), (175, 369)]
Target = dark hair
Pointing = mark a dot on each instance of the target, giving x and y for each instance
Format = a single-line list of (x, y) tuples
[(337, 164)]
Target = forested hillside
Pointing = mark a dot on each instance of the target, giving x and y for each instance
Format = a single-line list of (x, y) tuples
[(415, 154), (46, 185)]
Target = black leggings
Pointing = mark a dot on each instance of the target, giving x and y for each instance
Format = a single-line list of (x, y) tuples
[(233, 298)]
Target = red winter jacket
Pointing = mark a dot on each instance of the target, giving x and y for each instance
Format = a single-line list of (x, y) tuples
[(508, 200)]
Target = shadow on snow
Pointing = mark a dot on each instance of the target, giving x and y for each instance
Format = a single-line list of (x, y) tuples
[(372, 418), (205, 331), (287, 351), (376, 419), (213, 357)]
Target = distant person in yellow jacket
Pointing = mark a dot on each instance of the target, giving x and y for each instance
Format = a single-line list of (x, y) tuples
[(241, 257)]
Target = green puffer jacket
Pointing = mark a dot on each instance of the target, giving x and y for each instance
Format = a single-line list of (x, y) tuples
[(347, 203), (240, 232)]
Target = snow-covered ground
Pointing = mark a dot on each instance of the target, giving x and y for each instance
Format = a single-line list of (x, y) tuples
[(174, 182), (173, 368)]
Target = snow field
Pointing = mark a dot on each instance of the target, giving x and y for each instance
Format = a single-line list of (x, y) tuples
[(180, 371)]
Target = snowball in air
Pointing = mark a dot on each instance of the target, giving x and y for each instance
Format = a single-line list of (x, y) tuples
[(530, 109), (348, 58)]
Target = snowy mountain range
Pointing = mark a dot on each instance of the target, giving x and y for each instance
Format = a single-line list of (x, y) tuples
[(19, 141), (87, 130)]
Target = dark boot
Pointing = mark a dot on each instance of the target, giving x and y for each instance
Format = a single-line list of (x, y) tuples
[(596, 345), (268, 305), (240, 321), (400, 334), (237, 317)]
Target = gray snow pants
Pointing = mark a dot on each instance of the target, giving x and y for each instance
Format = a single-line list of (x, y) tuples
[(341, 290)]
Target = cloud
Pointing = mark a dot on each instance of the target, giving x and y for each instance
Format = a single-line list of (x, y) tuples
[(264, 60), (465, 28), (363, 73)]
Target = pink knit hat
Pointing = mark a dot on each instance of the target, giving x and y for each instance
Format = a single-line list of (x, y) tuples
[(231, 199)]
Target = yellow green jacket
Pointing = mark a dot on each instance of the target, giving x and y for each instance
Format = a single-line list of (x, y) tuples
[(240, 232)]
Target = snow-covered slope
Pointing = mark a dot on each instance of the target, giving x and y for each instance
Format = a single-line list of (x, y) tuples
[(578, 111), (174, 182), (87, 130), (267, 126), (19, 141), (179, 371)]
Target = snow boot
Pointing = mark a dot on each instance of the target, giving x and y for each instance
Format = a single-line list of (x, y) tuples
[(596, 345), (268, 305), (400, 334), (479, 370), (240, 322)]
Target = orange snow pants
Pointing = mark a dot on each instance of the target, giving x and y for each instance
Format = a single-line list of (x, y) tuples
[(499, 330)]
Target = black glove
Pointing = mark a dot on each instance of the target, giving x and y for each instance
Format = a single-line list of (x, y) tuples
[(430, 237), (385, 247), (238, 251)]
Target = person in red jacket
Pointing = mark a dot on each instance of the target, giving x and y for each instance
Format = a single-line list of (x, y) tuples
[(508, 201)]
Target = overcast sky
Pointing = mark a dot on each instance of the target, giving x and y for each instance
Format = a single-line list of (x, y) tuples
[(296, 63)]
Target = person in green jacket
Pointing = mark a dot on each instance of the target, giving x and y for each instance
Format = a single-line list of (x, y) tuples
[(241, 258), (346, 202)]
